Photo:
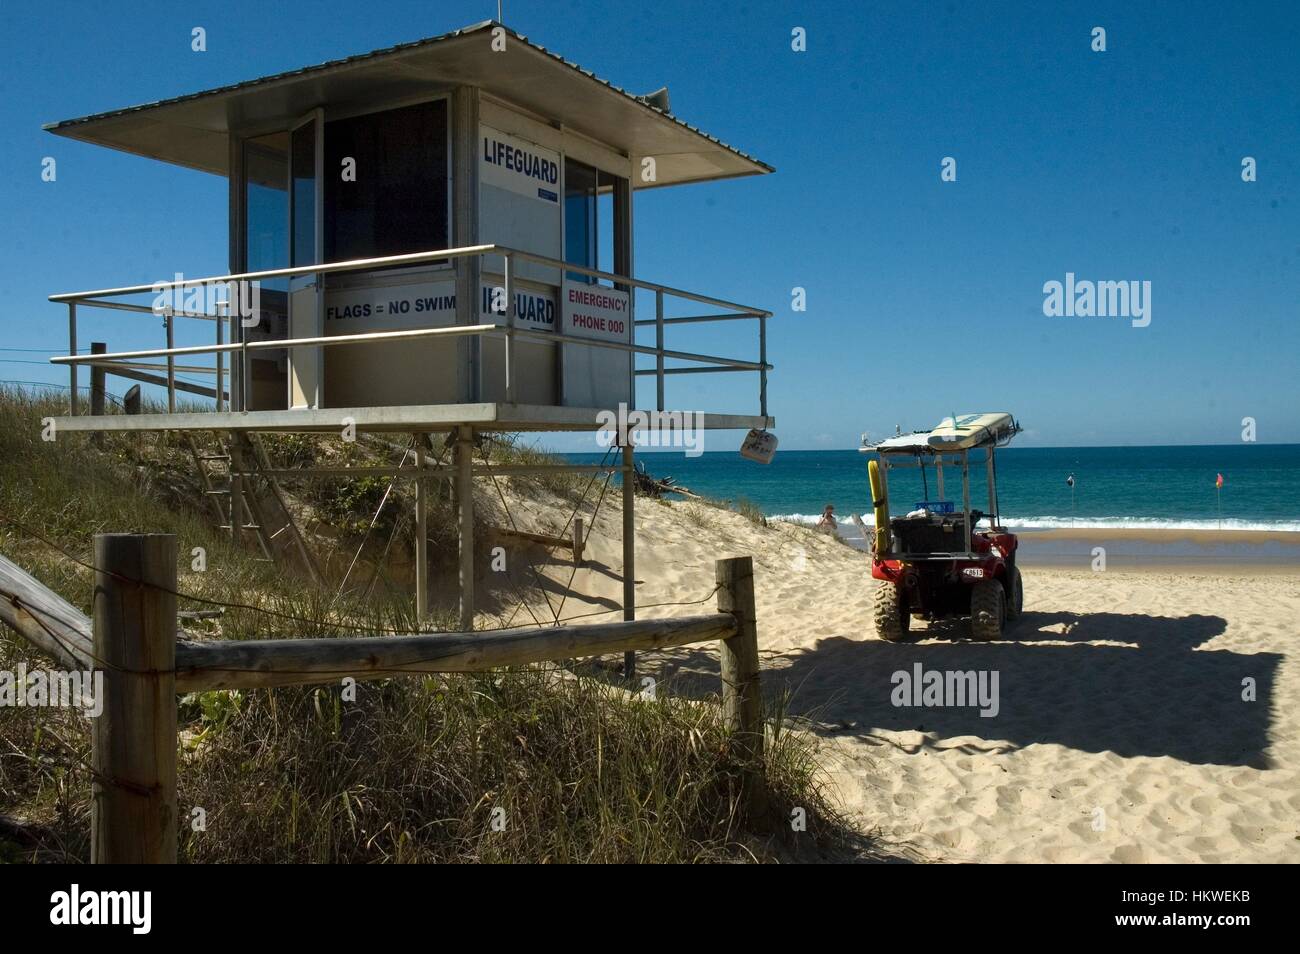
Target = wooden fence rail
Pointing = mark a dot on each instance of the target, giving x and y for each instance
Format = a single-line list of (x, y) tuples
[(44, 619), (133, 639)]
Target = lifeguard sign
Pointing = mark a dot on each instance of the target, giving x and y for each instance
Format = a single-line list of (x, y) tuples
[(441, 237)]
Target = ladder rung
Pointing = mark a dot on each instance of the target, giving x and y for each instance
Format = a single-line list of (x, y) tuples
[(219, 493), (246, 526)]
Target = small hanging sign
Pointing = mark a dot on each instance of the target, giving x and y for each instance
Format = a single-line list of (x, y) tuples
[(759, 446)]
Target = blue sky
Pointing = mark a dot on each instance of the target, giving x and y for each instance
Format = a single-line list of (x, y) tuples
[(924, 296)]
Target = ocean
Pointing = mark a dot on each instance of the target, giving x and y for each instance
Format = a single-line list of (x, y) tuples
[(1114, 487)]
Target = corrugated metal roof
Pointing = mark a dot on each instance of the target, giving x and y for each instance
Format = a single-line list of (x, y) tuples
[(273, 78), (71, 127)]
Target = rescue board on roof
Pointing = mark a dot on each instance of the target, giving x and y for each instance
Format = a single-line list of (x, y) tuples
[(969, 430)]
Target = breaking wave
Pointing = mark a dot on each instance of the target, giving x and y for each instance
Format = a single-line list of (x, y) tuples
[(1086, 523)]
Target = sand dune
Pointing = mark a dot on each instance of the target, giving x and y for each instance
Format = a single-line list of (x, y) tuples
[(1121, 733)]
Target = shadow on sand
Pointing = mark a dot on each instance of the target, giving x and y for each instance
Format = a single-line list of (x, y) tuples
[(1156, 694)]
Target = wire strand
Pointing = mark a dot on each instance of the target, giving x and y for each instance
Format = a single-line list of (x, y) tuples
[(279, 614)]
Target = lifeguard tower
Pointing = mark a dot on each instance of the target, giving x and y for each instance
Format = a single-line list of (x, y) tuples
[(433, 237)]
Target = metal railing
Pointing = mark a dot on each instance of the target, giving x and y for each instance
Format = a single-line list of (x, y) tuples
[(510, 331)]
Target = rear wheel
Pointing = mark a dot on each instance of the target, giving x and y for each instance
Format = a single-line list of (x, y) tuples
[(1015, 594), (892, 617), (987, 609)]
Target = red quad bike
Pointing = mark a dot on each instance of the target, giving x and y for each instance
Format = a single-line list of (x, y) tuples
[(935, 561)]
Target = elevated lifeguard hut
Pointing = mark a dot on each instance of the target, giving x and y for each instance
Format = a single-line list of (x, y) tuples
[(433, 237)]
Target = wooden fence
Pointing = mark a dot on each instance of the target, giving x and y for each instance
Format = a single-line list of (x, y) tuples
[(133, 639)]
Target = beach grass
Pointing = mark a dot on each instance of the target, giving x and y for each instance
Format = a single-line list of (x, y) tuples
[(532, 764)]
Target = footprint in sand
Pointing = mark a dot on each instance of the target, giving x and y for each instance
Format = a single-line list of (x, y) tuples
[(1129, 855), (1008, 798), (958, 839), (1250, 833), (1132, 796)]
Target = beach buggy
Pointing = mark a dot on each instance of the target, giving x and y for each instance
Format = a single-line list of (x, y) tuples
[(935, 561)]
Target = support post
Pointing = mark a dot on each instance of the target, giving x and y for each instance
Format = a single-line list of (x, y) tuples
[(965, 493), (659, 345), (991, 477), (508, 267), (169, 322), (133, 793), (578, 537), (742, 699), (465, 514), (221, 355), (72, 350), (237, 463), (762, 371), (237, 384), (421, 530), (98, 378), (245, 372), (465, 231), (629, 547)]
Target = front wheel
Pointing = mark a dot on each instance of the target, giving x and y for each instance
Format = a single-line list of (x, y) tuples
[(1015, 594), (892, 619), (988, 607)]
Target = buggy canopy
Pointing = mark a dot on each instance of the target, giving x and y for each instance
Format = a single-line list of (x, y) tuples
[(962, 432)]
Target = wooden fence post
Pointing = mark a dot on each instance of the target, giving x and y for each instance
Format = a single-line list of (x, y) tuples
[(742, 698), (577, 541), (133, 754)]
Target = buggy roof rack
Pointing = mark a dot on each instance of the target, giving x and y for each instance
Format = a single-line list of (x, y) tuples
[(957, 433), (915, 443)]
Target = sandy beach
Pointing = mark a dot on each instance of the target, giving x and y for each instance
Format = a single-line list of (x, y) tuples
[(1120, 734)]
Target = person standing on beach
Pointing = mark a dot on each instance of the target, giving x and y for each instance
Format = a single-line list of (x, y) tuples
[(827, 523)]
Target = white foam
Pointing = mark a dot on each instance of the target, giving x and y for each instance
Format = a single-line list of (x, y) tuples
[(849, 529)]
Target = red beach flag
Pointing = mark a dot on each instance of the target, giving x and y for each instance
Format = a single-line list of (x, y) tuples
[(1218, 482)]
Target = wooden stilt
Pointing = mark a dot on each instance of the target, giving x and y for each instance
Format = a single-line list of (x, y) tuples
[(421, 530), (237, 466), (629, 548), (465, 514)]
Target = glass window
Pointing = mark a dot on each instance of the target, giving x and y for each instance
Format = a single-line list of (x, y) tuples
[(579, 217), (394, 198), (605, 223), (266, 246), (302, 164), (266, 210), (592, 217)]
